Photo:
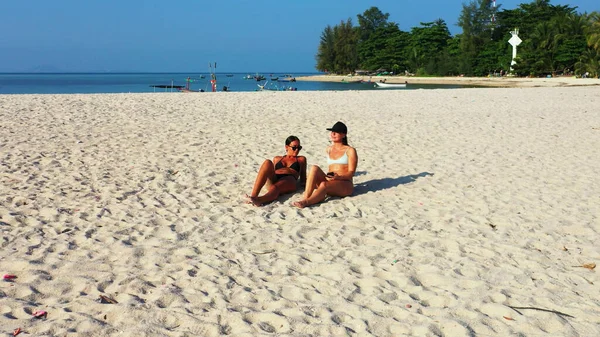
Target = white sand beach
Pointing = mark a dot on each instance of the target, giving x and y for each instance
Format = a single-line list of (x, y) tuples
[(473, 213), (502, 82)]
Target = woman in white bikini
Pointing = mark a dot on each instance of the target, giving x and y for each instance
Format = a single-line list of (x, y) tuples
[(337, 182)]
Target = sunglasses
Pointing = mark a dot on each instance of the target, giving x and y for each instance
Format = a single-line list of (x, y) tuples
[(294, 148)]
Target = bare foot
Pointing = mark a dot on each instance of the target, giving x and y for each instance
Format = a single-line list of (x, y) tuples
[(300, 203), (252, 200)]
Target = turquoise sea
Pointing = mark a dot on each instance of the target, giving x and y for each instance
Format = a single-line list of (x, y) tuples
[(75, 83)]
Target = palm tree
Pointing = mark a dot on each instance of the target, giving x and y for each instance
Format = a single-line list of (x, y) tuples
[(593, 34), (589, 62), (545, 40), (569, 40)]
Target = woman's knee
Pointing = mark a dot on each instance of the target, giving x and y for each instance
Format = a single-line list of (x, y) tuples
[(314, 169), (267, 164)]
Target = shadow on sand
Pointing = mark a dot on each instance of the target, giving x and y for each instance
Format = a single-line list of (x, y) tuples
[(385, 183)]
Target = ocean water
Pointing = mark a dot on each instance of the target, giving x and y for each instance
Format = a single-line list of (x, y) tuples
[(79, 83)]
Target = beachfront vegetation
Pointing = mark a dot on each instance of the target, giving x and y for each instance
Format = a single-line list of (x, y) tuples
[(556, 40)]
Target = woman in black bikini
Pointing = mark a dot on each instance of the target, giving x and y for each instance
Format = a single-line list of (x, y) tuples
[(280, 175)]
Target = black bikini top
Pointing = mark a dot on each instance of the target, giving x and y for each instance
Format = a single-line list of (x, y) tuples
[(295, 166)]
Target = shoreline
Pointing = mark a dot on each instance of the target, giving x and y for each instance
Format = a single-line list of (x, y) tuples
[(499, 82)]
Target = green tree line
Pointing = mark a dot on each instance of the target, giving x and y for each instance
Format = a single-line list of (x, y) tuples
[(556, 40)]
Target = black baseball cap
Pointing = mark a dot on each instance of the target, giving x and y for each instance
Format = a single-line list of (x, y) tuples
[(338, 127)]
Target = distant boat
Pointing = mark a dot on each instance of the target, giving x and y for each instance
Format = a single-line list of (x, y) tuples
[(389, 85), (248, 77), (274, 78), (167, 86), (287, 78), (351, 81), (202, 76)]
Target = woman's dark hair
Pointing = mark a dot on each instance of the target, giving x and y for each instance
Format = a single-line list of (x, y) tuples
[(290, 139), (345, 140)]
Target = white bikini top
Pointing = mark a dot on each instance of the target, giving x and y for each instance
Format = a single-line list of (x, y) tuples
[(342, 160)]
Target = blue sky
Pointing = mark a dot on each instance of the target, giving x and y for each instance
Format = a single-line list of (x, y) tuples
[(184, 35)]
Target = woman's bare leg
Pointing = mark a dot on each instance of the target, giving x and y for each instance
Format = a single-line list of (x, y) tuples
[(315, 177), (282, 186), (266, 172), (337, 188), (317, 195), (271, 195)]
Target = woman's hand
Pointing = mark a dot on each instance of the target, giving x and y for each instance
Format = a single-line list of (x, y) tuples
[(331, 176)]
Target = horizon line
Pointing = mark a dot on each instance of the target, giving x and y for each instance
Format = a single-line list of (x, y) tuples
[(153, 72)]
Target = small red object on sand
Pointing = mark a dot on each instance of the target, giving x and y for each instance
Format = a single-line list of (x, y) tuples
[(10, 277), (409, 306), (40, 314), (17, 331)]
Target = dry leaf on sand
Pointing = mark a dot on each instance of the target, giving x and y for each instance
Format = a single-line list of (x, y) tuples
[(106, 299), (589, 266)]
